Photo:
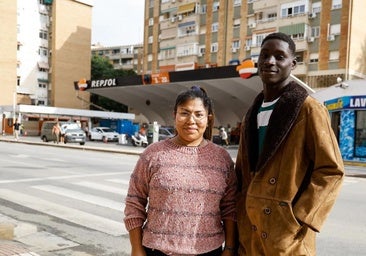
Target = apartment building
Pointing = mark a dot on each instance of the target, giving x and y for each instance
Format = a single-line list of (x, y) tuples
[(126, 57), (45, 47), (192, 34)]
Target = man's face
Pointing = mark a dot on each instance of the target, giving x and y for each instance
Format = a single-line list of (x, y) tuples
[(275, 62)]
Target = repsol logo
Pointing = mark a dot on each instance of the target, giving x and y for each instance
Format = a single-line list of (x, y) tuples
[(103, 83)]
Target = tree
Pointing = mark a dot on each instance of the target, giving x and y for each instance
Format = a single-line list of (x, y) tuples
[(102, 68)]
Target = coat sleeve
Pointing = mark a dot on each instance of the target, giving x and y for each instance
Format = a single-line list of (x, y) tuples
[(325, 179)]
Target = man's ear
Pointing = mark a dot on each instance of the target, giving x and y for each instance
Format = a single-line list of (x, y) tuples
[(294, 63)]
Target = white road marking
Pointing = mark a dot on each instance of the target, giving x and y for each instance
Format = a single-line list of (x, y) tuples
[(96, 200), (62, 177), (97, 186), (78, 217)]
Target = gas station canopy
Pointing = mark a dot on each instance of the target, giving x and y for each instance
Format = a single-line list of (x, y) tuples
[(154, 95)]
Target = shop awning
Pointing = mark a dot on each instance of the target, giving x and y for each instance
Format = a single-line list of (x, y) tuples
[(186, 8)]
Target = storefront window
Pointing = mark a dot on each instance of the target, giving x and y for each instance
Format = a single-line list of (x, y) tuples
[(360, 140), (335, 118)]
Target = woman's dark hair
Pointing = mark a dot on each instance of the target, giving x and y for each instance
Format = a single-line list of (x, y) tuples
[(193, 93)]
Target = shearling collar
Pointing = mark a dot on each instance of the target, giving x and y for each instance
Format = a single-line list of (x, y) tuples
[(283, 117)]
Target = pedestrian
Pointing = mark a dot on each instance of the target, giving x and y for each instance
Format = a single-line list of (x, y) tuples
[(56, 131), (181, 196), (224, 137), (289, 165), (16, 126)]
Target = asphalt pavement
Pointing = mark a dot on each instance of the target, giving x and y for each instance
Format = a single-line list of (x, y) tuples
[(10, 247)]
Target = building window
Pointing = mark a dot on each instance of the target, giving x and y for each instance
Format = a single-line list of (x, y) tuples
[(272, 16), (216, 6), (314, 57), (335, 29), (333, 55), (151, 21), (214, 47), (203, 8), (336, 4), (18, 80), (236, 23), (237, 2), (292, 9), (150, 40), (43, 51), (215, 27), (259, 38), (316, 7), (43, 34), (187, 29), (236, 44), (315, 32), (186, 50), (360, 140), (248, 42)]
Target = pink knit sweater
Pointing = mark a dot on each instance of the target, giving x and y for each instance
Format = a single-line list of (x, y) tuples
[(187, 192)]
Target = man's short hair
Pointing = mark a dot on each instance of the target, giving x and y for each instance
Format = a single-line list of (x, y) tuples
[(284, 37)]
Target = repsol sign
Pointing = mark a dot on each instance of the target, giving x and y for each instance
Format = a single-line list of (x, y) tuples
[(103, 83)]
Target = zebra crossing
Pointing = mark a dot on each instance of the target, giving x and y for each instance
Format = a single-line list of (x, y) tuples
[(71, 200), (64, 199)]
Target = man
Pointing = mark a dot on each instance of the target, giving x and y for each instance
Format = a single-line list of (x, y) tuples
[(289, 166), (16, 129), (56, 130)]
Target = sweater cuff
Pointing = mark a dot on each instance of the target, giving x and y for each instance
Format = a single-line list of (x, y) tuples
[(231, 216), (133, 223)]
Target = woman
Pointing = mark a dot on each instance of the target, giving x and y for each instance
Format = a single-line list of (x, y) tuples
[(181, 195)]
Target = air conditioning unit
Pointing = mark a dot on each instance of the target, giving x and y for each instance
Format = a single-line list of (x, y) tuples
[(312, 15), (172, 19), (234, 50), (331, 38), (311, 39), (252, 25), (180, 17), (247, 48)]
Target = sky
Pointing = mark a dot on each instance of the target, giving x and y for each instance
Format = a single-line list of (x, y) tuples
[(118, 22)]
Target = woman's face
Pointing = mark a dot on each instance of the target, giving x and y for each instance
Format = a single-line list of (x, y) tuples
[(191, 121)]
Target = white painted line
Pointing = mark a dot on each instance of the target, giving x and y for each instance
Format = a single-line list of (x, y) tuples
[(78, 217), (63, 177), (95, 200), (119, 191), (120, 181)]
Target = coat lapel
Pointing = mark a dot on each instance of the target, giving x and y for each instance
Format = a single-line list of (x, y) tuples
[(282, 119)]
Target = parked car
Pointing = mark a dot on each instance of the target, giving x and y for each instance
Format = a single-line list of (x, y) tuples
[(46, 131), (166, 133), (73, 132), (103, 133)]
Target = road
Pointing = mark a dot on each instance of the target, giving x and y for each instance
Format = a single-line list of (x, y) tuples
[(70, 202), (74, 198)]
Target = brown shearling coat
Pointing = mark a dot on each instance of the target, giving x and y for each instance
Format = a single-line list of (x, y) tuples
[(286, 193)]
